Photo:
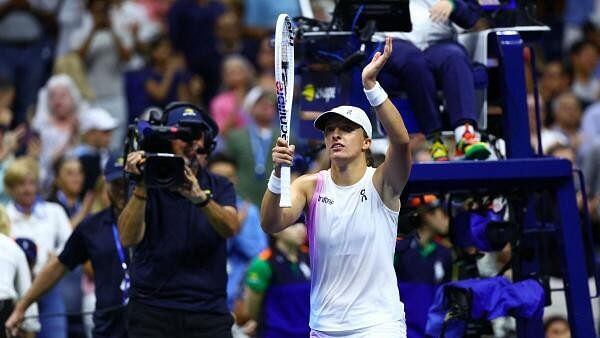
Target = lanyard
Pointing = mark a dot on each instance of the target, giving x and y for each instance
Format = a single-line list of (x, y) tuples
[(260, 147), (62, 199), (125, 283)]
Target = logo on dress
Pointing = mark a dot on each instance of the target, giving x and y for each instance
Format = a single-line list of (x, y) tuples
[(325, 200), (363, 196)]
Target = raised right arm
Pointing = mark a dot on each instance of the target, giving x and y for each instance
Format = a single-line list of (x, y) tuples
[(132, 225), (273, 218)]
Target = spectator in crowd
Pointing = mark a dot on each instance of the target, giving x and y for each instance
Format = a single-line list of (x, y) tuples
[(422, 262), (261, 16), (557, 327), (95, 239), (225, 108), (9, 143), (191, 21), (584, 59), (250, 146), (554, 81), (57, 122), (590, 157), (7, 94), (277, 293), (15, 278), (196, 88), (69, 16), (67, 189), (567, 152), (157, 11), (105, 45), (429, 52), (421, 154), (533, 126), (96, 128), (590, 127), (134, 17), (575, 13), (565, 130), (26, 28), (323, 9), (179, 239), (563, 151), (166, 78), (265, 59), (591, 171), (45, 223), (250, 241), (230, 40)]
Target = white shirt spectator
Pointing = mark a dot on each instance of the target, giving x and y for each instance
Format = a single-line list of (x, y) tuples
[(69, 19), (588, 92), (15, 278), (55, 139), (48, 227), (552, 137), (590, 127), (130, 14), (424, 32), (104, 68)]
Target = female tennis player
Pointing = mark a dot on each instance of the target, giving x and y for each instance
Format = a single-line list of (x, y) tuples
[(352, 212)]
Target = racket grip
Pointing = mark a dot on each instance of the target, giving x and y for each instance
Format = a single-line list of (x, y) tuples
[(285, 200)]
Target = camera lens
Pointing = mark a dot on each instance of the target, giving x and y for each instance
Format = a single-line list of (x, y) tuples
[(164, 171)]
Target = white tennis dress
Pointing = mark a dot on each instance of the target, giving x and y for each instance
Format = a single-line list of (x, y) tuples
[(352, 237)]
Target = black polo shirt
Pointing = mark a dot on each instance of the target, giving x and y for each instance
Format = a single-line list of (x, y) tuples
[(180, 262), (93, 239), (428, 265)]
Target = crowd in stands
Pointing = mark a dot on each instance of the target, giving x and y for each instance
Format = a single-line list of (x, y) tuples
[(75, 73)]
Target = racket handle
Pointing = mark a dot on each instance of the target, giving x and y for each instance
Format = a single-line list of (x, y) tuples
[(285, 200)]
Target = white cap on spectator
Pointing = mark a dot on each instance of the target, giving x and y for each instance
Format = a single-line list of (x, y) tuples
[(96, 118), (250, 100)]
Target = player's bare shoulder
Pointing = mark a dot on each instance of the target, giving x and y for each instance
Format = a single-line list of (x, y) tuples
[(306, 184)]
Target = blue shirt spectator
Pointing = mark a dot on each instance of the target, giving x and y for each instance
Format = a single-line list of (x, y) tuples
[(192, 32), (264, 13), (243, 248)]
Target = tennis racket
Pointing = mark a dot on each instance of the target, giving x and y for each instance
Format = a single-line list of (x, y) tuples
[(284, 85)]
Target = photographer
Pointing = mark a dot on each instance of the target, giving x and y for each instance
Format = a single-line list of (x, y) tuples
[(179, 238)]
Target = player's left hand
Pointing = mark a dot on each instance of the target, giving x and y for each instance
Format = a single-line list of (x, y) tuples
[(440, 11), (370, 72)]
